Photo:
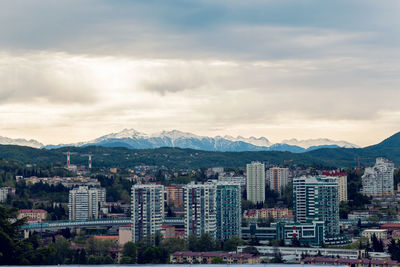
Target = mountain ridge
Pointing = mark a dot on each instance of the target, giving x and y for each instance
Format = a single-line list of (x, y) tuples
[(190, 158), (130, 138)]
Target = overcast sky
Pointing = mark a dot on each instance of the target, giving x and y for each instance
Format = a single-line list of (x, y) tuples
[(74, 70)]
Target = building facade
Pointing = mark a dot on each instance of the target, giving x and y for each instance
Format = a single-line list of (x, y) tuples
[(174, 195), (190, 257), (342, 183), (200, 209), (229, 209), (316, 199), (308, 234), (213, 207), (378, 180), (255, 184), (147, 210), (277, 178), (32, 215), (233, 179), (84, 202), (276, 213), (5, 192)]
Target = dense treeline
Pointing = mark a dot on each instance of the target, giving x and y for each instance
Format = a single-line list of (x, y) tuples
[(193, 159)]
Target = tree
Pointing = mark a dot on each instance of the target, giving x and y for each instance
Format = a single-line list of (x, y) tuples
[(157, 239), (129, 253), (192, 243), (82, 257), (377, 244), (277, 258), (251, 250), (295, 241), (205, 243), (14, 251), (172, 245), (232, 243), (217, 260), (394, 250), (62, 250)]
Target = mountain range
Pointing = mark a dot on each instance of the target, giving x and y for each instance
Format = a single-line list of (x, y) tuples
[(190, 158), (132, 139)]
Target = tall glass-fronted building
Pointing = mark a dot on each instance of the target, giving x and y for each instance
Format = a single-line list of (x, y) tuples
[(229, 208), (317, 199)]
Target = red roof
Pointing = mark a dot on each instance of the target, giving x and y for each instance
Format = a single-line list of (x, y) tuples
[(334, 173), (213, 254), (391, 226), (349, 261)]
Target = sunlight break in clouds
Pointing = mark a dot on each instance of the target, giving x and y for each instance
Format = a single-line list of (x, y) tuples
[(278, 69)]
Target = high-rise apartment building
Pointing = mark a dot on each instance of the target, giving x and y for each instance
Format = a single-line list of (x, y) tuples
[(342, 183), (147, 210), (255, 172), (214, 208), (229, 209), (200, 209), (174, 195), (378, 180), (84, 202), (277, 178), (317, 199)]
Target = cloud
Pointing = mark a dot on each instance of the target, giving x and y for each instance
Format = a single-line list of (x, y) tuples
[(279, 68)]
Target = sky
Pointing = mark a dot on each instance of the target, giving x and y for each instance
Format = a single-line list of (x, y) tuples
[(74, 70)]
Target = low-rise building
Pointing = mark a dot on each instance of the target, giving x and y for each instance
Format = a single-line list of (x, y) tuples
[(308, 234), (359, 215), (350, 262), (124, 234), (299, 252), (275, 213), (381, 234), (33, 215), (253, 231), (207, 257)]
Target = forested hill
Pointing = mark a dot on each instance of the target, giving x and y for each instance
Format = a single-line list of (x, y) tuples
[(189, 158)]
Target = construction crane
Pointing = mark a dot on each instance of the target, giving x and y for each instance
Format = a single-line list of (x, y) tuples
[(358, 159)]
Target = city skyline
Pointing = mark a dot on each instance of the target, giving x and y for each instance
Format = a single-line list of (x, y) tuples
[(279, 69)]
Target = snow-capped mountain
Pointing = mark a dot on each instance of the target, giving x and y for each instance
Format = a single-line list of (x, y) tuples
[(317, 142), (262, 141), (131, 138), (20, 142)]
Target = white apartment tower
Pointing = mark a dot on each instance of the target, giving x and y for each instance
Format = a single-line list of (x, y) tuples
[(255, 172), (378, 180), (277, 178), (147, 210), (200, 209), (84, 202)]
